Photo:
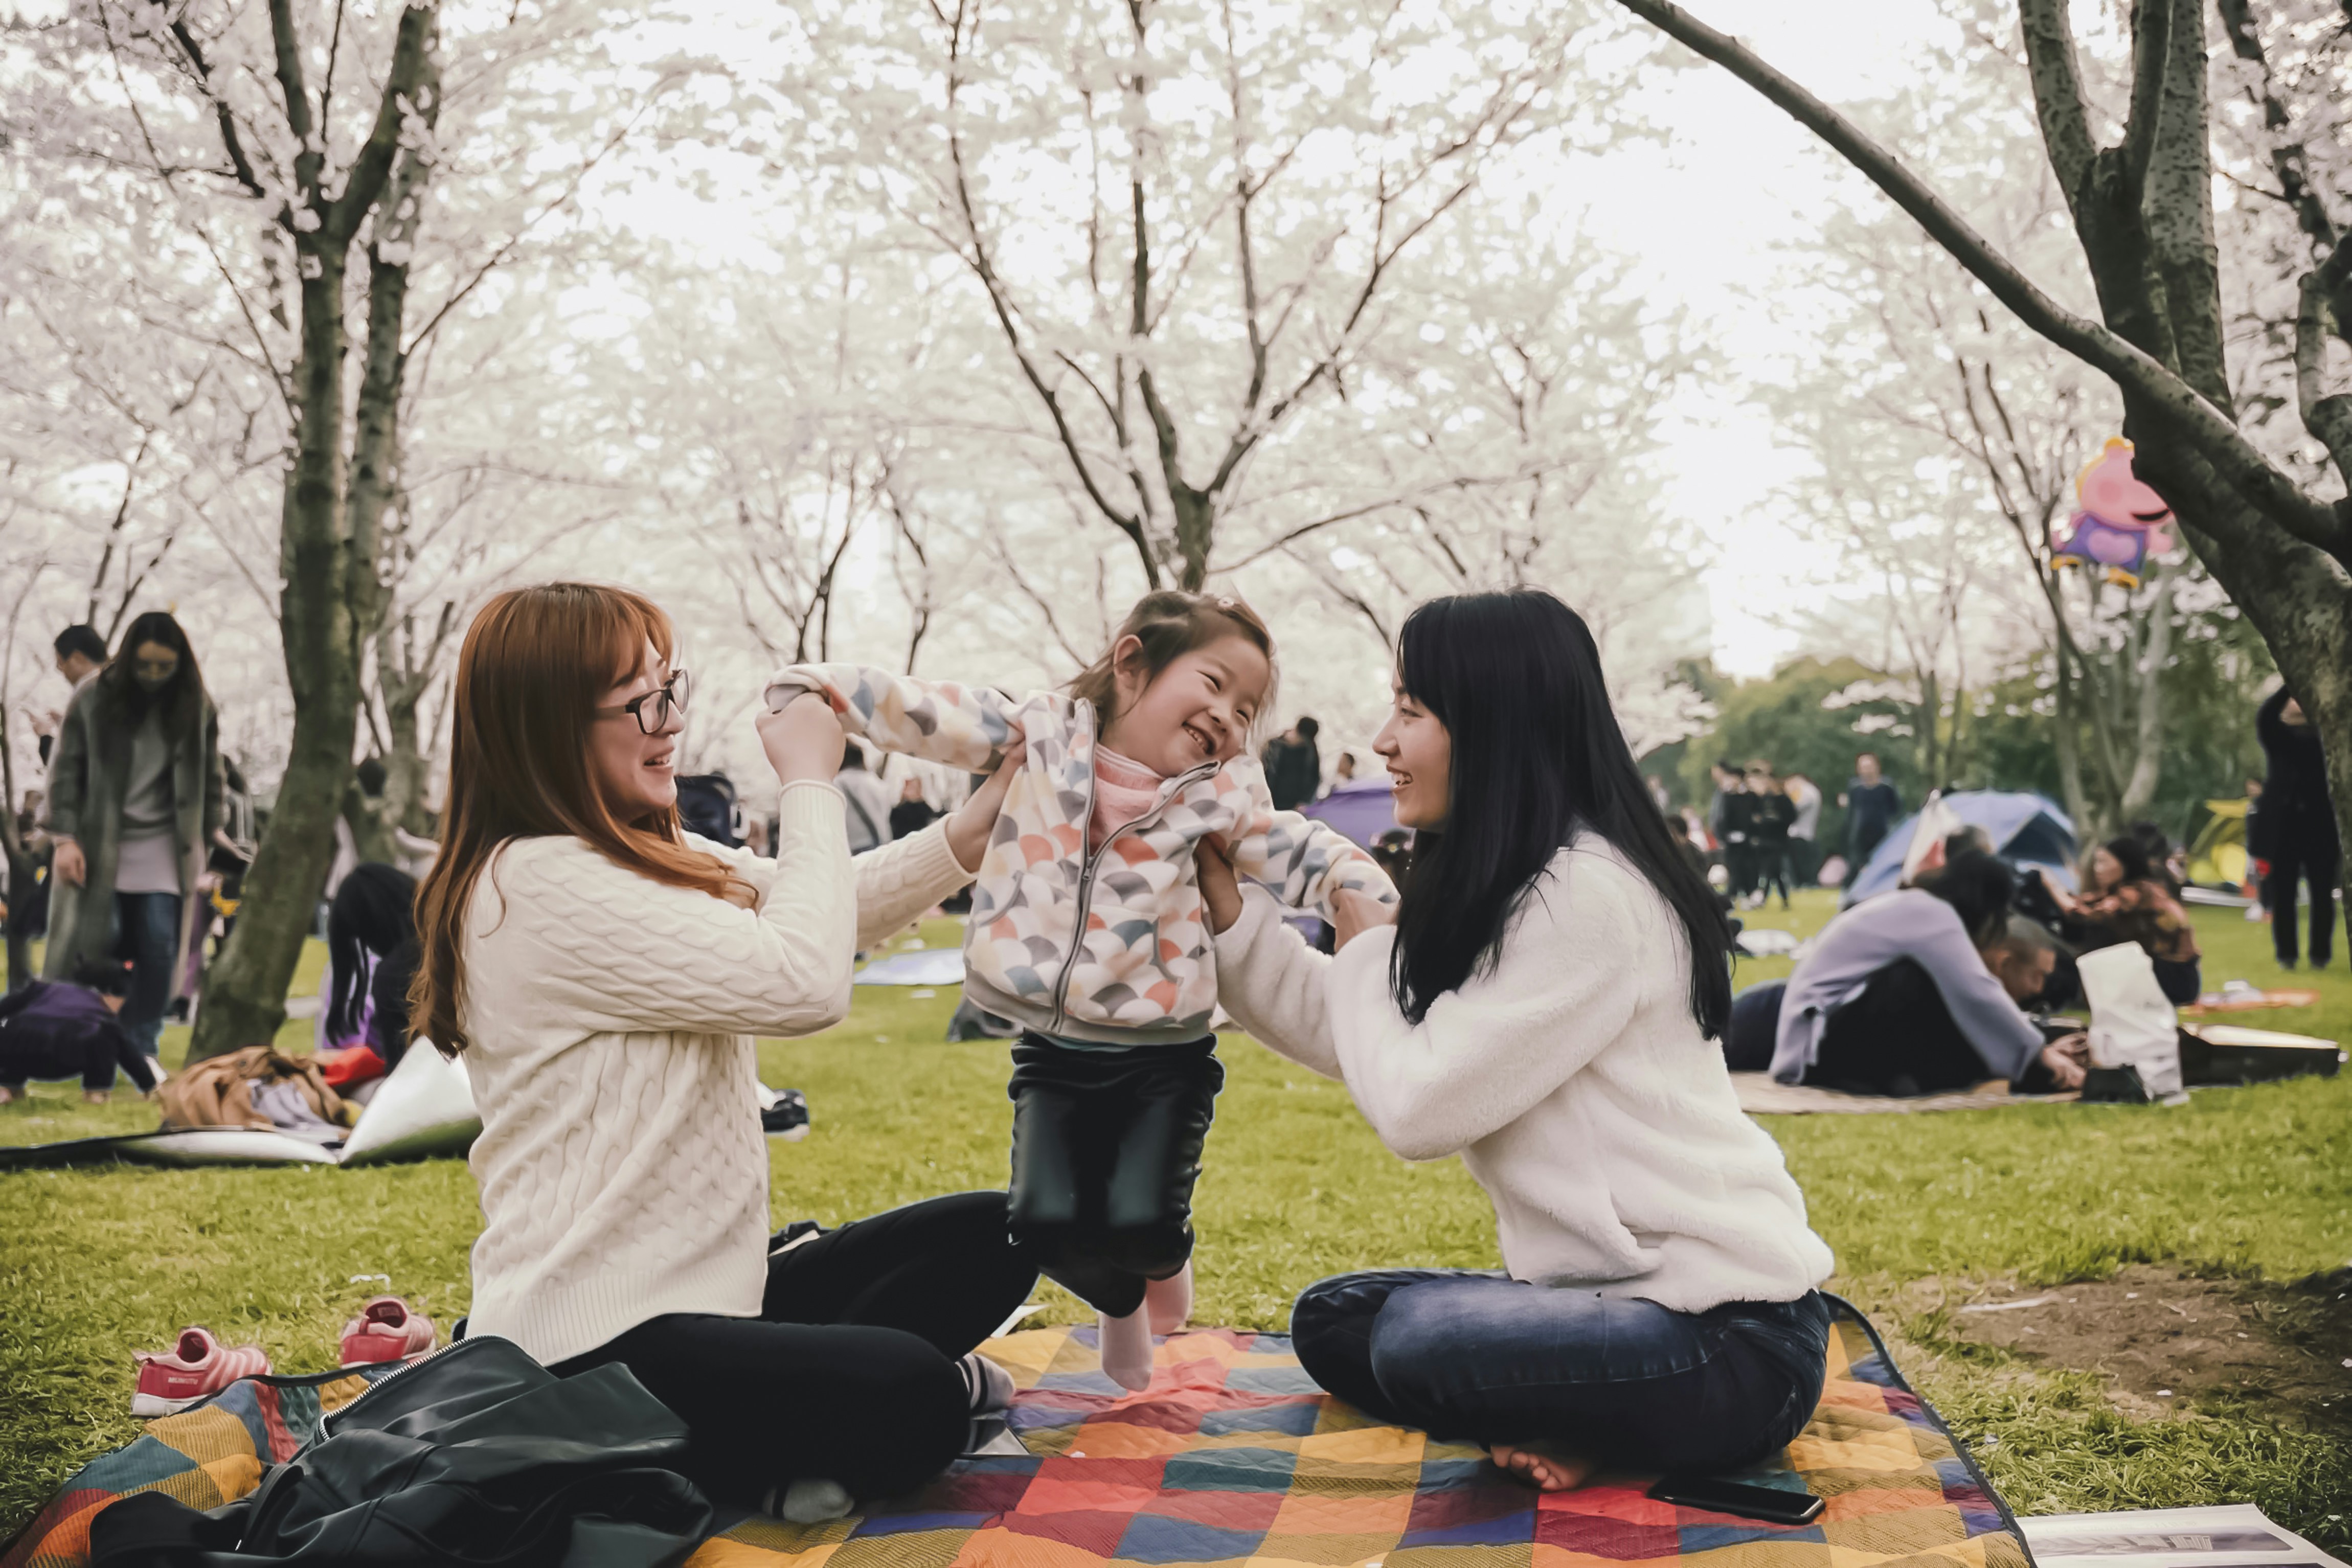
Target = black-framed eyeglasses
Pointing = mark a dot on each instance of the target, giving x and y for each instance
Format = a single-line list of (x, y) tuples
[(652, 710)]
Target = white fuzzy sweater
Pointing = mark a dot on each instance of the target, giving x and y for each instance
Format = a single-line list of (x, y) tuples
[(623, 1171), (1571, 1081)]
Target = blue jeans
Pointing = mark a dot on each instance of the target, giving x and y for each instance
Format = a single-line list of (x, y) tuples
[(148, 934), (1481, 1357)]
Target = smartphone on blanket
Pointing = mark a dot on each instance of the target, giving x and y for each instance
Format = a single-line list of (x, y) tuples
[(1771, 1504)]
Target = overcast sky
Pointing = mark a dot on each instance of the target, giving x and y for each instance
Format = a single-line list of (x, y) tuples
[(1706, 216)]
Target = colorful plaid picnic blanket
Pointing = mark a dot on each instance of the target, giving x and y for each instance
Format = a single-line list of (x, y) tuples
[(1233, 1458)]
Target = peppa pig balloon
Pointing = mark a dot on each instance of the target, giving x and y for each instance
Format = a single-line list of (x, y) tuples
[(2121, 520)]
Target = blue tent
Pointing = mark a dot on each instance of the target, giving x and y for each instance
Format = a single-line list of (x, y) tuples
[(2026, 829)]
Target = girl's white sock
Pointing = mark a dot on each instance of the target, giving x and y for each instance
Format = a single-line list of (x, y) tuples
[(1170, 1302), (1126, 1348)]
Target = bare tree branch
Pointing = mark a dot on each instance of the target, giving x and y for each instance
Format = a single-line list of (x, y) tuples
[(2206, 428)]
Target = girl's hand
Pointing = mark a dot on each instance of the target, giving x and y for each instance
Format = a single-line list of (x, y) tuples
[(1221, 890), (975, 819), (804, 740), (1358, 912)]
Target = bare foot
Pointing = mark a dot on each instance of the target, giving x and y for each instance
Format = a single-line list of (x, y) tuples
[(1541, 1467), (96, 1096), (8, 1095)]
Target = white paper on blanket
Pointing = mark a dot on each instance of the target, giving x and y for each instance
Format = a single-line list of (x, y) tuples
[(2222, 1535), (1762, 942), (424, 1108), (2133, 1024), (930, 967)]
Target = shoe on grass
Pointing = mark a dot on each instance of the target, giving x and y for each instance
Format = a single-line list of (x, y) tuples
[(385, 1330), (195, 1369)]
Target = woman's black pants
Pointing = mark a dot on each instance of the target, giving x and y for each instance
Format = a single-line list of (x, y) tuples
[(848, 1372), (1106, 1148)]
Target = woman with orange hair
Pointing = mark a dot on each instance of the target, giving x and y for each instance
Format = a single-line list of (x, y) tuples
[(605, 973)]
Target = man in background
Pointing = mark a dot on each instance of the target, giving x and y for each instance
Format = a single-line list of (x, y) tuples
[(1872, 806), (1294, 768), (1805, 857), (868, 799)]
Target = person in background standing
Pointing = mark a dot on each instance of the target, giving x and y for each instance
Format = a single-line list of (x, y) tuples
[(1294, 768), (81, 653), (1770, 813), (134, 809), (1343, 771), (912, 814), (1872, 805), (2257, 852), (2298, 829), (868, 799), (1734, 821), (1804, 855)]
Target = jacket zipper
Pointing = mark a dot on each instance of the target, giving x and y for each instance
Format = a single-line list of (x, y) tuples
[(1086, 876)]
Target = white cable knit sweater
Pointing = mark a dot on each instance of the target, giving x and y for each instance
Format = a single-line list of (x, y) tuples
[(623, 1171), (1570, 1079)]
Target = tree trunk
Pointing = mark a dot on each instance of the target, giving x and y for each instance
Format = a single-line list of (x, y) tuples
[(244, 998), (2154, 652)]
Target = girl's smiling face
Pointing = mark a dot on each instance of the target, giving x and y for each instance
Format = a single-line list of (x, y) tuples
[(1197, 710)]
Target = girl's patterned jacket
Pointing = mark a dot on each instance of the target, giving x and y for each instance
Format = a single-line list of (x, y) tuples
[(1111, 946)]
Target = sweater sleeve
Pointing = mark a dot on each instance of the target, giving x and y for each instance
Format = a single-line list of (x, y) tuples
[(897, 881), (1301, 861), (622, 953), (936, 721), (69, 771), (1988, 1016), (1565, 984), (1272, 984)]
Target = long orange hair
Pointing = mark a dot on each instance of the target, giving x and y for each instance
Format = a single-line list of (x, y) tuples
[(536, 662)]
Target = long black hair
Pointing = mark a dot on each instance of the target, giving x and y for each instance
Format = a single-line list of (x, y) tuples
[(372, 915), (179, 697), (1981, 890), (1514, 677)]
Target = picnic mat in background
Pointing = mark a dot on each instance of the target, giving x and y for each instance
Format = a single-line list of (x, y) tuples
[(1233, 1458), (1760, 1096)]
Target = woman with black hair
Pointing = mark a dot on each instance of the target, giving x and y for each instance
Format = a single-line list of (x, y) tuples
[(134, 809), (2127, 898), (1543, 1007), (371, 960)]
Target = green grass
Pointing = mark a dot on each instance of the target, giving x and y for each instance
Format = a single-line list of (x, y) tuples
[(2253, 1183)]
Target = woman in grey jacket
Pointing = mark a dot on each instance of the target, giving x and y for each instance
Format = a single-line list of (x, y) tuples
[(134, 806)]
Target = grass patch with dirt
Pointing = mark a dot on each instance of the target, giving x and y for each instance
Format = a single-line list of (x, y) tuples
[(2238, 1194)]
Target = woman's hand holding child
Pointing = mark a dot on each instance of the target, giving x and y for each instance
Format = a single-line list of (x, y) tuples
[(804, 740), (1221, 891), (975, 819)]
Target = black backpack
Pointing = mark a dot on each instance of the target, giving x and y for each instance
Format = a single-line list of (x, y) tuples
[(706, 805), (478, 1456)]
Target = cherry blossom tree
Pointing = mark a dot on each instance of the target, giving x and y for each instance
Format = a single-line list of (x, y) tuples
[(2136, 152)]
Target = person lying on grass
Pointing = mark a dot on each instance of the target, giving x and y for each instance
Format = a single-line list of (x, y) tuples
[(605, 973), (1542, 1005), (1917, 991)]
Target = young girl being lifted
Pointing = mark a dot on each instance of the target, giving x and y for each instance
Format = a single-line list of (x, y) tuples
[(1087, 926)]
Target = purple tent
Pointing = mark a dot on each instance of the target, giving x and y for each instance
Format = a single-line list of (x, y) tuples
[(1362, 809)]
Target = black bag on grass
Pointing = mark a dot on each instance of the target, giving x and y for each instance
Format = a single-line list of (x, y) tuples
[(478, 1456)]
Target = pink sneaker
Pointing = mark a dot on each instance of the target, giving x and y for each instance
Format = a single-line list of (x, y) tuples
[(385, 1330), (198, 1367)]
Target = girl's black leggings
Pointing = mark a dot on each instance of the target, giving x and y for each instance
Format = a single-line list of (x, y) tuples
[(1106, 1148)]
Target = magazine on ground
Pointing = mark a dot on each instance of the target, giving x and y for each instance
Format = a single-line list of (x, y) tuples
[(2223, 1535)]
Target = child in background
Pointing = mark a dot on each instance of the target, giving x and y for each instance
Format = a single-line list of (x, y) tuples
[(1087, 926)]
